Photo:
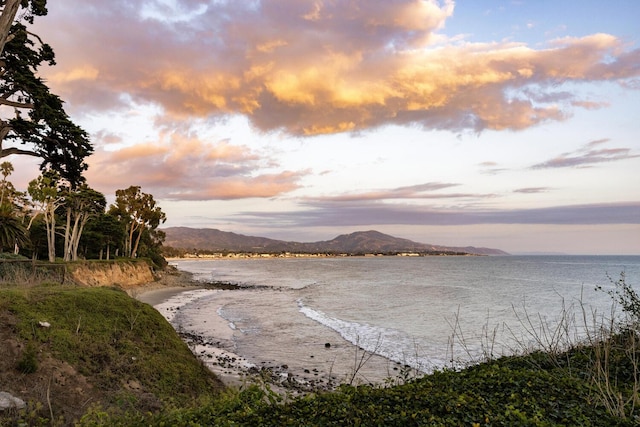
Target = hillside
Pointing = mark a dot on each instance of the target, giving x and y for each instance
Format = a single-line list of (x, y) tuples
[(67, 349), (209, 239)]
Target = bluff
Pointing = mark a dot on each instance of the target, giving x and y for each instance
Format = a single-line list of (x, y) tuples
[(122, 274)]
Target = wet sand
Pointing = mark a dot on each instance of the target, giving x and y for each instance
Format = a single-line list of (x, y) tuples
[(157, 296)]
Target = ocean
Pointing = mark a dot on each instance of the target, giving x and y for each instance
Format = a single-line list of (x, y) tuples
[(367, 319)]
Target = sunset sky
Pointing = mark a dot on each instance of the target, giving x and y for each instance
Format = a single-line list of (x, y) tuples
[(506, 124)]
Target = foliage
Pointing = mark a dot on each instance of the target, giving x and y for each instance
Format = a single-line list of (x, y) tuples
[(103, 235), (28, 364), (12, 232), (509, 391), (624, 294), (33, 116), (138, 211)]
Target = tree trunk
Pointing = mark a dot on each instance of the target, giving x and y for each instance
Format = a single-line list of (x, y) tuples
[(129, 243), (6, 20), (75, 244), (50, 222), (67, 237), (135, 248)]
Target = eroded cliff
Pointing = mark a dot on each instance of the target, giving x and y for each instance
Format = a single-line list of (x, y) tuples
[(125, 275)]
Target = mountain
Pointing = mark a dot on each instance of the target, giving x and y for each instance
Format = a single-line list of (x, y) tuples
[(361, 242)]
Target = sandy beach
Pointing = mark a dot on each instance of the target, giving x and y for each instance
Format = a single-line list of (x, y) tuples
[(155, 296)]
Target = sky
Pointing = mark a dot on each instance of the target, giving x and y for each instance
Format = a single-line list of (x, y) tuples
[(504, 124)]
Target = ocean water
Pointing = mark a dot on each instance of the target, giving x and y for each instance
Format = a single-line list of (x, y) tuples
[(426, 312)]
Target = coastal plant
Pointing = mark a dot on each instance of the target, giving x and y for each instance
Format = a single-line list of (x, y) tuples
[(361, 357), (486, 339), (552, 337), (616, 354), (624, 294)]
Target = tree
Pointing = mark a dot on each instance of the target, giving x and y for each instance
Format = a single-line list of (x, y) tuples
[(12, 210), (44, 193), (8, 193), (102, 233), (80, 205), (138, 211), (6, 169), (31, 116), (8, 15), (12, 232)]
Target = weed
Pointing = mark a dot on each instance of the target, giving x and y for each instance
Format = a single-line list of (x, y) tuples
[(28, 363)]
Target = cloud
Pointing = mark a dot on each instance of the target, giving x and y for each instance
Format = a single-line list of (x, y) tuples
[(319, 67), (370, 214), (490, 168), (420, 191), (587, 156), (532, 190), (186, 168)]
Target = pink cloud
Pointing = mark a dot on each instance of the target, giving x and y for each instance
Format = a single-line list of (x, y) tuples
[(188, 169)]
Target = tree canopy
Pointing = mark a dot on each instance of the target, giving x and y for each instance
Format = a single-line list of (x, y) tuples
[(139, 212), (33, 121)]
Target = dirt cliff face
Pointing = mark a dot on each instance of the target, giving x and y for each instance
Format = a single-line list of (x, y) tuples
[(125, 275)]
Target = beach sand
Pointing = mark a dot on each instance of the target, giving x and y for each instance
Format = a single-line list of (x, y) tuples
[(155, 296)]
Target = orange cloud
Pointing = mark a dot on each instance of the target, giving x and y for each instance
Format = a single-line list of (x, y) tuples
[(317, 67)]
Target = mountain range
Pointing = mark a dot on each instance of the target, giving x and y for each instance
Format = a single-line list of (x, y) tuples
[(360, 242)]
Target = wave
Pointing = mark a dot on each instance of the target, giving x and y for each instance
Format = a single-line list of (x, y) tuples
[(389, 343), (170, 308)]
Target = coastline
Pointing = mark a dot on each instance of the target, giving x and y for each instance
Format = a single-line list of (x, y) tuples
[(174, 289), (324, 369)]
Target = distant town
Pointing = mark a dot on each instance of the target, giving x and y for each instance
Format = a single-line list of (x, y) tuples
[(235, 255)]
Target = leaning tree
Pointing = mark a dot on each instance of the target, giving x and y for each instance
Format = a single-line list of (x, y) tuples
[(32, 119)]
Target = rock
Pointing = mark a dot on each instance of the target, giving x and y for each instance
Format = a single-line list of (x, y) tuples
[(44, 324), (8, 401)]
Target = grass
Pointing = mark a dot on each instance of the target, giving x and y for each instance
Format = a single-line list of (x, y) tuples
[(126, 352)]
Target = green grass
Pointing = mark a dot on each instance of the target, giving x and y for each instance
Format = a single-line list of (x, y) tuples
[(112, 340)]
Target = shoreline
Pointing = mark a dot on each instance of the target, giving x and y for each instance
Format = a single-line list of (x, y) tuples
[(328, 368), (171, 292)]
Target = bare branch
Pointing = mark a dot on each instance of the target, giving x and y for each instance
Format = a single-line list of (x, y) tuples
[(16, 104)]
